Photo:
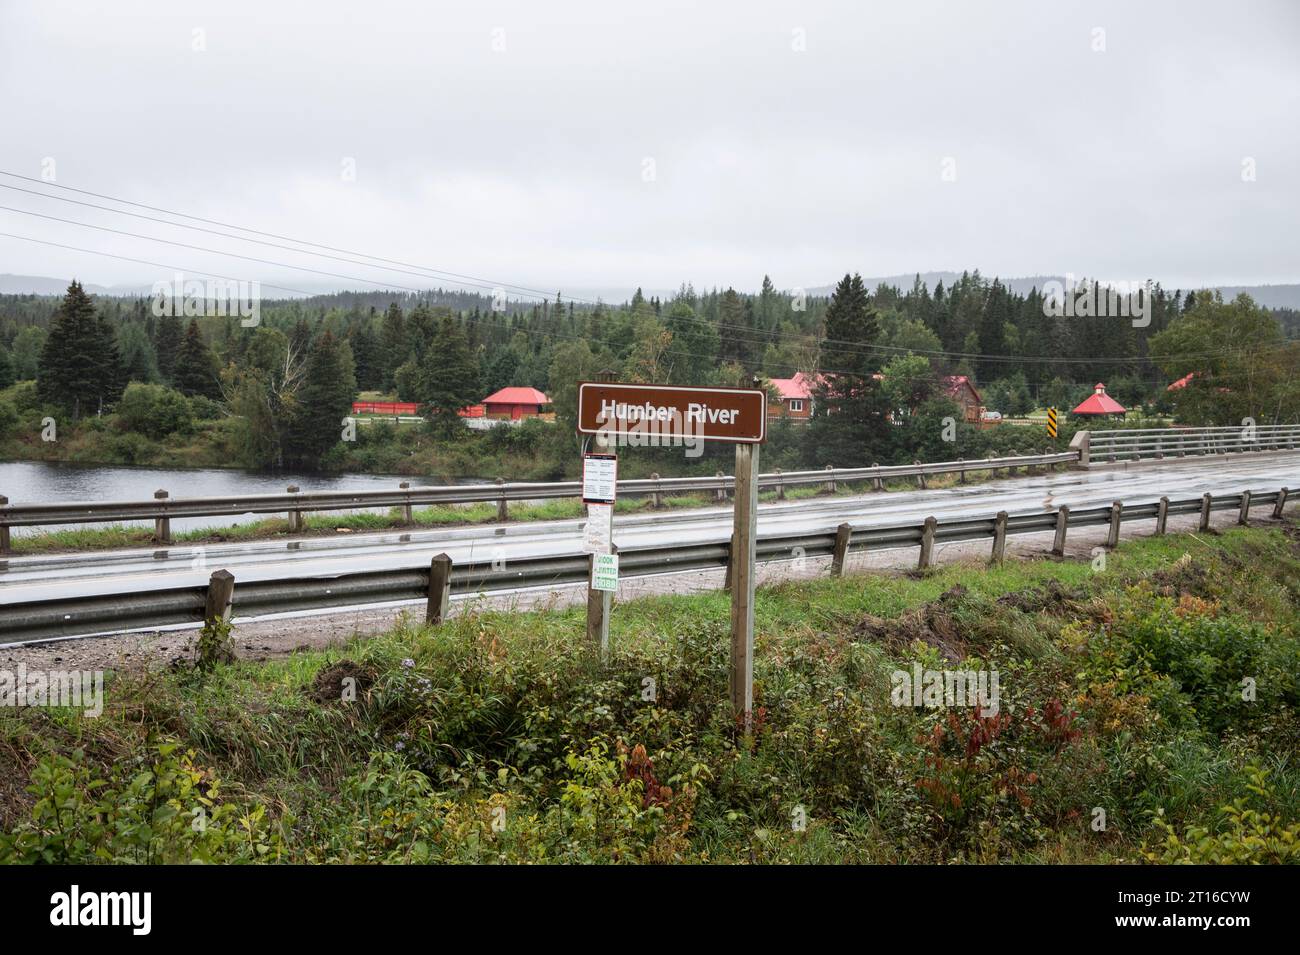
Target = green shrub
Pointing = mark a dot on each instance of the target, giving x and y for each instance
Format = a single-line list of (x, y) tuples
[(155, 411), (166, 811), (1250, 836)]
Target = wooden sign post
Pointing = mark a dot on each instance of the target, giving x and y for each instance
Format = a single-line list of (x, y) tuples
[(665, 414)]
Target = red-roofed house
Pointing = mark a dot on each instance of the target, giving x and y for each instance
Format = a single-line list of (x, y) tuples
[(796, 397), (1099, 403), (515, 403), (960, 390)]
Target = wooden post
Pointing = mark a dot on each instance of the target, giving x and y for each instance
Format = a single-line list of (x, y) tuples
[(830, 485), (1205, 512), (920, 478), (439, 590), (1243, 518), (780, 486), (407, 516), (595, 607), (657, 498), (4, 529), (295, 516), (842, 535), (503, 507), (722, 491), (876, 483), (1162, 516), (927, 544), (730, 577), (1116, 514), (961, 474), (221, 594), (1062, 526), (1277, 508), (999, 537), (743, 552), (162, 526)]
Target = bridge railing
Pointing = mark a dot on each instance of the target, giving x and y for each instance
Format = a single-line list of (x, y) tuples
[(113, 613), (163, 508), (1170, 442)]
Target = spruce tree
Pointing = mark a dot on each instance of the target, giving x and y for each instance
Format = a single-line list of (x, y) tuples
[(850, 423), (78, 369), (166, 343), (448, 378), (324, 400), (196, 367), (6, 368)]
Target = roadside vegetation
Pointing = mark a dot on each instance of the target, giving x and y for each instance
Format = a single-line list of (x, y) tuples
[(501, 737)]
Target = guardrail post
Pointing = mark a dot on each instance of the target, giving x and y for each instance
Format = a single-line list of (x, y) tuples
[(503, 507), (162, 526), (1080, 443), (295, 516), (920, 478), (407, 516), (221, 594), (780, 486), (1162, 516), (999, 537), (1281, 503), (961, 473), (841, 551), (722, 491), (830, 485), (927, 544), (877, 484), (439, 590), (1116, 515), (1182, 445), (1062, 526), (657, 499), (1243, 517), (4, 529), (1205, 512)]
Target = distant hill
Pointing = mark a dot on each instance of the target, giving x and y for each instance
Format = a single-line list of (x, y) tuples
[(1269, 296)]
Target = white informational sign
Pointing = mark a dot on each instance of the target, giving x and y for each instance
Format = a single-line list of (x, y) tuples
[(599, 478), (604, 572), (598, 534)]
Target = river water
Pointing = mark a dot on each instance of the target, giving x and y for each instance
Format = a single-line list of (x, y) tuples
[(32, 482)]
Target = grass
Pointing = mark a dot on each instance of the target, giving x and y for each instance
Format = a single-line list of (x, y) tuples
[(501, 737)]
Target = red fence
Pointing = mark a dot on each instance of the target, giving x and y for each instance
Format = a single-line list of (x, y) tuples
[(406, 408)]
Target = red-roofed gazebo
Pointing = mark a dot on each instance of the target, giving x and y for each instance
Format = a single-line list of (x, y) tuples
[(1099, 403), (515, 402)]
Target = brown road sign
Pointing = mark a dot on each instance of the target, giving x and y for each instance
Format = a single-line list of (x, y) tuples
[(735, 415)]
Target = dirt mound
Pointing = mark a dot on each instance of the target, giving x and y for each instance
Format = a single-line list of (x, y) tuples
[(333, 683), (1183, 579), (1053, 598), (932, 623)]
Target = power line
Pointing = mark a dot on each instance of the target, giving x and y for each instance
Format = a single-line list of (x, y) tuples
[(857, 348)]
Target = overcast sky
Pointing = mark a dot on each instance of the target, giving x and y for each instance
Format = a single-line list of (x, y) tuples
[(620, 144)]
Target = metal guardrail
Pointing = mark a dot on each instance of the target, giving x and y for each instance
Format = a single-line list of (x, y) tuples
[(80, 616), (1164, 442), (162, 508)]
